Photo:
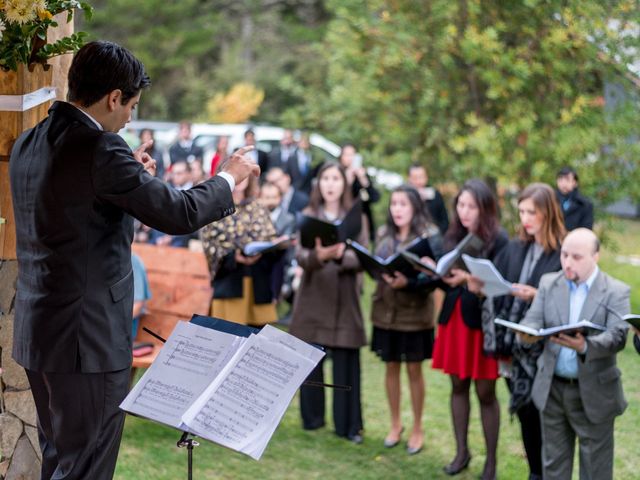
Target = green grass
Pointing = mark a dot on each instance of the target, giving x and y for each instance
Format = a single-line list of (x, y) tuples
[(149, 450)]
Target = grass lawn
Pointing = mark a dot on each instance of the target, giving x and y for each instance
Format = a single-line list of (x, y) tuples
[(148, 450)]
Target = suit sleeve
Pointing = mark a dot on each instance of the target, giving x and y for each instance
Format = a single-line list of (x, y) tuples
[(119, 179), (613, 340), (636, 343)]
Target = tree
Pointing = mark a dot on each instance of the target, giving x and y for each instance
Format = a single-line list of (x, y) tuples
[(511, 90)]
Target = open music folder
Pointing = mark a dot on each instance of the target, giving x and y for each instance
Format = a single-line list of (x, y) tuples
[(331, 233), (228, 385)]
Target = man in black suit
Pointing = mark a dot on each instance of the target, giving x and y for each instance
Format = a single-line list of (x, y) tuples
[(279, 156), (299, 166), (576, 208), (76, 186)]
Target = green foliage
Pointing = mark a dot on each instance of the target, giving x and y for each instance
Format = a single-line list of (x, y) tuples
[(510, 90), (195, 49), (25, 26)]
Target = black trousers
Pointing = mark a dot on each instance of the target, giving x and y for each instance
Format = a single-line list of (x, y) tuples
[(531, 430), (79, 422), (347, 411)]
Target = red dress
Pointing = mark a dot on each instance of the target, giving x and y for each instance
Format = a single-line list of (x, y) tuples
[(458, 350)]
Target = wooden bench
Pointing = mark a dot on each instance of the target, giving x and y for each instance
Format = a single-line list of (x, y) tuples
[(180, 286)]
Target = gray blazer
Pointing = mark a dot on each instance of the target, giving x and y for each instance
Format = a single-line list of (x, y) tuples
[(598, 375)]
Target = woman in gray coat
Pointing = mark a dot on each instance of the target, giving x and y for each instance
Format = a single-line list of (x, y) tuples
[(327, 310)]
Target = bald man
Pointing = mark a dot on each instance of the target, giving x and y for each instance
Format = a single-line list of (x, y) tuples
[(577, 388)]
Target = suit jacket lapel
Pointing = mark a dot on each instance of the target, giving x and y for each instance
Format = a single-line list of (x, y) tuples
[(595, 295), (561, 297)]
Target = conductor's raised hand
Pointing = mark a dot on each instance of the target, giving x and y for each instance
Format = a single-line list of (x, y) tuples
[(239, 166), (141, 155)]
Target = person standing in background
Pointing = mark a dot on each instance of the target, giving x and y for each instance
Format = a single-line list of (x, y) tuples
[(419, 179), (533, 253), (458, 349), (327, 312), (577, 209), (360, 183), (184, 149), (403, 312)]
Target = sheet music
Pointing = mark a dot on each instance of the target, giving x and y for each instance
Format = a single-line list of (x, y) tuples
[(187, 363), (303, 348), (494, 284), (244, 404)]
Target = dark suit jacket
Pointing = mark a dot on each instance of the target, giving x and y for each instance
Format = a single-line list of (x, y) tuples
[(299, 202), (579, 211), (471, 305), (301, 181), (179, 154), (636, 343), (75, 189)]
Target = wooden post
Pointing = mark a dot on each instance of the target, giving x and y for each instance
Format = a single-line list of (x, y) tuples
[(20, 455)]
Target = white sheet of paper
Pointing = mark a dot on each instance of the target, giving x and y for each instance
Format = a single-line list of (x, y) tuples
[(186, 364), (494, 284), (303, 348), (244, 404)]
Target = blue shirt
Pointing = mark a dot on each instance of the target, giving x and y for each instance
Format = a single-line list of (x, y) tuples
[(141, 291), (567, 363)]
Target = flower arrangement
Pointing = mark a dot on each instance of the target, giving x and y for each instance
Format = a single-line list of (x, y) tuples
[(23, 31)]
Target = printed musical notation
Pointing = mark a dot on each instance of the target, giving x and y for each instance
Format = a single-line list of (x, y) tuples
[(222, 387), (188, 362)]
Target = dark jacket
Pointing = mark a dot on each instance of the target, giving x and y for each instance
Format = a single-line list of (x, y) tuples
[(470, 303), (75, 189), (636, 343), (227, 282), (437, 209), (510, 262), (576, 209), (326, 310), (411, 308), (368, 196), (500, 341)]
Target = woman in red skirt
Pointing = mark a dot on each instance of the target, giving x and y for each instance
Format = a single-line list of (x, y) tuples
[(458, 348)]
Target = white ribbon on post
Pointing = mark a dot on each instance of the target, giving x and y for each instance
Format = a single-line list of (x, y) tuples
[(22, 103)]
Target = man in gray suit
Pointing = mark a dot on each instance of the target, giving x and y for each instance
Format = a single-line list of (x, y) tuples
[(577, 388), (76, 187)]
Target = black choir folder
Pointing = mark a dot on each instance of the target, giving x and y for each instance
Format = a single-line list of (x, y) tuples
[(224, 382), (328, 232), (376, 266), (470, 244), (583, 326)]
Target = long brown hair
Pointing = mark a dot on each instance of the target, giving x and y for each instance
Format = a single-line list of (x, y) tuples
[(488, 224), (315, 199), (544, 200)]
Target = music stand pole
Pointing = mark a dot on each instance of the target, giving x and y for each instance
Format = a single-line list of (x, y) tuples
[(190, 443)]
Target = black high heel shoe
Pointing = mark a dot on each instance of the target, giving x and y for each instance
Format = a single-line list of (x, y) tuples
[(453, 470)]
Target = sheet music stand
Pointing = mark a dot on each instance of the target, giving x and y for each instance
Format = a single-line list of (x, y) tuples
[(191, 443)]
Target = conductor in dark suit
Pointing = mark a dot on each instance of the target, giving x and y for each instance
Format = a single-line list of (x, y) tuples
[(76, 187), (577, 388)]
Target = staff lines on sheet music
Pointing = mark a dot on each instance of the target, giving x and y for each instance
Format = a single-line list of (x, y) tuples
[(219, 410), (191, 357), (235, 392), (214, 425), (255, 361)]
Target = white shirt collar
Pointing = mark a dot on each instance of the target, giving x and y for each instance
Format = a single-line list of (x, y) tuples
[(90, 117)]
